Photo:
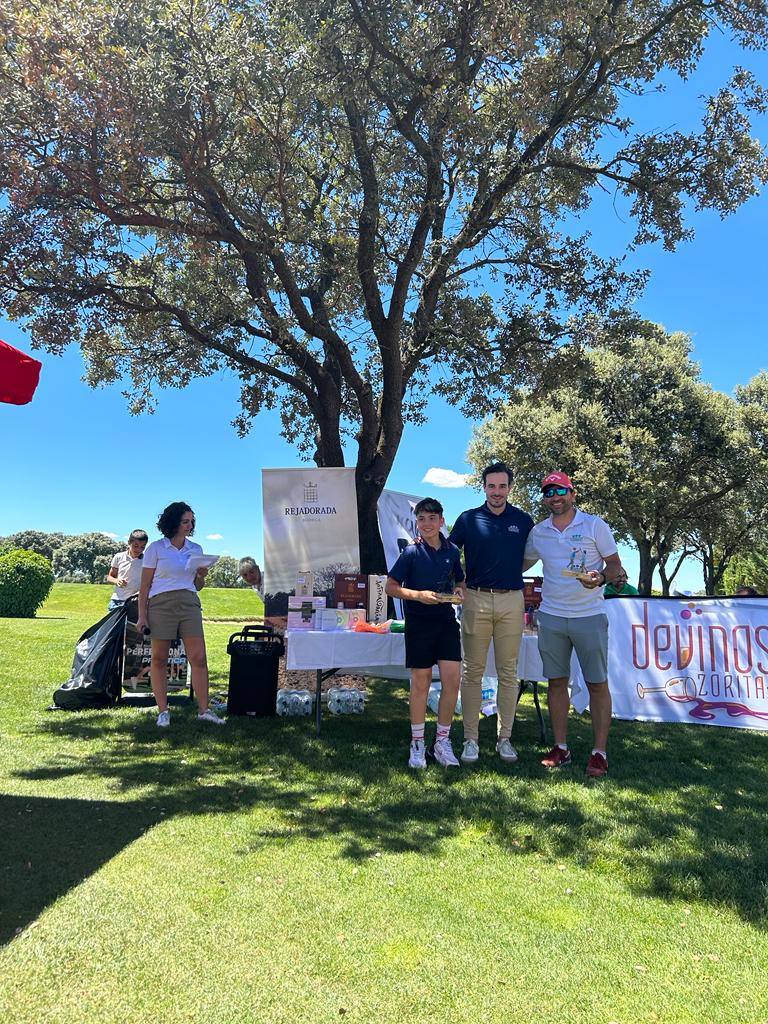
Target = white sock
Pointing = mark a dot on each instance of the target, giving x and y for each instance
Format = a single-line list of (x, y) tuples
[(417, 732), (601, 752), (563, 746), (443, 731)]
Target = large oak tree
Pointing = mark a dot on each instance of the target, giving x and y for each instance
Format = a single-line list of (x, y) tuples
[(673, 465), (314, 193)]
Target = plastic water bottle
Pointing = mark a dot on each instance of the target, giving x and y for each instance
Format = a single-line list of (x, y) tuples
[(345, 700), (294, 703)]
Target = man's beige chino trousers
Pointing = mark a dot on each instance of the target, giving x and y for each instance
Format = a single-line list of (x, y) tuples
[(486, 617)]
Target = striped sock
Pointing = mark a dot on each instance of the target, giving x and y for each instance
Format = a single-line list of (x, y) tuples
[(417, 732), (443, 731)]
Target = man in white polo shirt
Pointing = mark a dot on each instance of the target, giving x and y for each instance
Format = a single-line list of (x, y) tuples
[(125, 571), (579, 556)]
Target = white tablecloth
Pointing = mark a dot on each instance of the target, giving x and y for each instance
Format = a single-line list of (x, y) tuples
[(383, 655)]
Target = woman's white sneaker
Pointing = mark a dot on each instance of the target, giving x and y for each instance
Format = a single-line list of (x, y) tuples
[(212, 717)]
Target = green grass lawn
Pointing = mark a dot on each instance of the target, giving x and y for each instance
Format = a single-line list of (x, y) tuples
[(75, 600), (257, 873)]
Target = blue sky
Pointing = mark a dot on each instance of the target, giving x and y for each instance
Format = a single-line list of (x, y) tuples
[(75, 460)]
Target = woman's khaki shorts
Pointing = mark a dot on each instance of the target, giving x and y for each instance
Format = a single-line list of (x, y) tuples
[(175, 613)]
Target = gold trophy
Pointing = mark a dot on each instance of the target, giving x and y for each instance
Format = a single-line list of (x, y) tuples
[(577, 566)]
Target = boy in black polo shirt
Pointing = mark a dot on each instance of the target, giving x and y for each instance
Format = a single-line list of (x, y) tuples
[(431, 630)]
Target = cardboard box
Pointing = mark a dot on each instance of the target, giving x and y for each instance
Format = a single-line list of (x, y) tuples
[(350, 590), (297, 603), (377, 599), (532, 591), (300, 620), (305, 583), (302, 611), (332, 620)]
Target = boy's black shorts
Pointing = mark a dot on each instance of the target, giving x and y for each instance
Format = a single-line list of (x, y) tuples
[(428, 641)]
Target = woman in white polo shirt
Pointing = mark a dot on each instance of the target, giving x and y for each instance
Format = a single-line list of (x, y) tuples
[(170, 607)]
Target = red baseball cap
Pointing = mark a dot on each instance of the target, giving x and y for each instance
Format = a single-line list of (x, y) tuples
[(556, 480)]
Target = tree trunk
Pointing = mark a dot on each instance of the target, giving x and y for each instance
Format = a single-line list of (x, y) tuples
[(373, 469), (665, 581), (372, 558), (647, 565), (708, 566)]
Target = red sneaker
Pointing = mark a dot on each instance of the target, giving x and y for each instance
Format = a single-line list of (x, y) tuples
[(597, 766), (557, 758)]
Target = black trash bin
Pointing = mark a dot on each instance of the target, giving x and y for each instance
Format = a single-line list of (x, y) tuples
[(255, 654)]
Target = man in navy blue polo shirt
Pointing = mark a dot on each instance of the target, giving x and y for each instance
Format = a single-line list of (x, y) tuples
[(493, 537), (424, 570)]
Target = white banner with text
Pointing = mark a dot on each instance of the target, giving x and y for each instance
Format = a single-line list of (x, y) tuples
[(697, 660), (310, 522)]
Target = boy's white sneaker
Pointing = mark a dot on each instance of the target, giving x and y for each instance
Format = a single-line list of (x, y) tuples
[(443, 753), (163, 719), (418, 755), (470, 752)]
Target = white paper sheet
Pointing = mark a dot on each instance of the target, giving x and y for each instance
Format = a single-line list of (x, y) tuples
[(196, 562)]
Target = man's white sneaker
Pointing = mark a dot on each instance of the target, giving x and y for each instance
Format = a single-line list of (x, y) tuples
[(470, 752), (212, 717), (506, 751), (418, 755), (443, 753), (163, 719)]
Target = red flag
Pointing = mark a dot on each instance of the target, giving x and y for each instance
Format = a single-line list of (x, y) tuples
[(19, 375)]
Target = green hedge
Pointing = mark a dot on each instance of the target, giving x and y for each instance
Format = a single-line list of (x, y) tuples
[(26, 579)]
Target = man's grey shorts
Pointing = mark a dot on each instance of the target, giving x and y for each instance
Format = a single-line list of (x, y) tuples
[(559, 636)]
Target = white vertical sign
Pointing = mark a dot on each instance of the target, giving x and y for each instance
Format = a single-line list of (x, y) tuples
[(310, 522)]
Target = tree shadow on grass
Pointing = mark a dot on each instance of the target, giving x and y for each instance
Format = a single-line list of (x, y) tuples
[(682, 815), (47, 846)]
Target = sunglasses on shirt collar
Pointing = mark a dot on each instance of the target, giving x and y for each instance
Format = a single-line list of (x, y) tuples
[(550, 492)]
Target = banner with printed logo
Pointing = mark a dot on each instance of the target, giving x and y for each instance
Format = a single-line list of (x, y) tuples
[(697, 660), (397, 526), (397, 522), (310, 522)]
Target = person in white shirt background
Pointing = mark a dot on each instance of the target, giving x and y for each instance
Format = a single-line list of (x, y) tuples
[(169, 607), (579, 555), (125, 571)]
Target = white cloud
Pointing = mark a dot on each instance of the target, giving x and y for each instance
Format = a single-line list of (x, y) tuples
[(214, 536), (106, 533), (444, 478)]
